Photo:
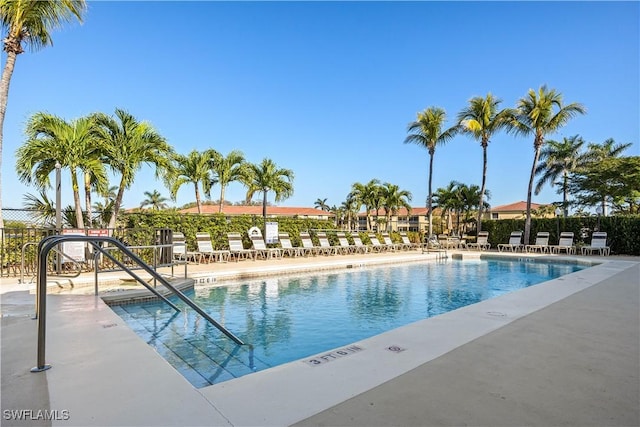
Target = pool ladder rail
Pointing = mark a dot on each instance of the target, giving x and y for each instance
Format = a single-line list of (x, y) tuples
[(48, 243)]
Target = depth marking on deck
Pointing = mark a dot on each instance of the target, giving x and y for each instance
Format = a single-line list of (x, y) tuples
[(329, 357)]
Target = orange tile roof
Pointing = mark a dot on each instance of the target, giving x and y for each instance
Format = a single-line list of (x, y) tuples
[(257, 210), (517, 207)]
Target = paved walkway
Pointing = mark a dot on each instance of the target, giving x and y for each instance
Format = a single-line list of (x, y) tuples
[(573, 360)]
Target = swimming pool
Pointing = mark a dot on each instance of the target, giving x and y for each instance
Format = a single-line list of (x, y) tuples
[(291, 318)]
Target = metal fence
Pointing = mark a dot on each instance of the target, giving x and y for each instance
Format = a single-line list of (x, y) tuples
[(18, 250)]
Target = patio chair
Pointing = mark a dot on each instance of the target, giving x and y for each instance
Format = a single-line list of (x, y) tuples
[(261, 249), (386, 237), (345, 247), (408, 244), (376, 246), (325, 245), (357, 242), (481, 243), (205, 247), (308, 247), (287, 247), (598, 243), (565, 243), (180, 251), (514, 244), (542, 243), (236, 247)]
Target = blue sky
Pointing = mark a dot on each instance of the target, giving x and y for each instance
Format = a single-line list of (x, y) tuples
[(327, 88)]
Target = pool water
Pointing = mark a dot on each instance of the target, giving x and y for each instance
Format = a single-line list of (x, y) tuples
[(293, 317)]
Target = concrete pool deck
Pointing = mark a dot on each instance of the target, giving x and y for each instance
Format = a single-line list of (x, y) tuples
[(565, 352)]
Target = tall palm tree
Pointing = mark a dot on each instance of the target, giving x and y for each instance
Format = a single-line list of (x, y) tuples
[(449, 200), (29, 23), (558, 159), (321, 204), (351, 206), (226, 170), (155, 200), (129, 144), (265, 177), (367, 195), (540, 113), (51, 139), (470, 201), (598, 152), (195, 169), (427, 132), (392, 200), (481, 119)]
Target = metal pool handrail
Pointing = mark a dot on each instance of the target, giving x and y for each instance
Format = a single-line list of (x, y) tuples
[(45, 246)]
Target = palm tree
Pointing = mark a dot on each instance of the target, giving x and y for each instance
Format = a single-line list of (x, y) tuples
[(394, 199), (72, 144), (558, 159), (30, 23), (367, 195), (481, 119), (448, 199), (470, 200), (598, 152), (321, 204), (155, 200), (540, 113), (128, 145), (427, 132), (350, 207), (226, 170), (265, 177), (194, 168), (43, 207)]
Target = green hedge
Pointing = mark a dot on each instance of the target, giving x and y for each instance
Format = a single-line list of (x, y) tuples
[(623, 232), (218, 227)]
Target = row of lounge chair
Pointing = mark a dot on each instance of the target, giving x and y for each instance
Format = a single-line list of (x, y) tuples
[(565, 244), (259, 249), (237, 251)]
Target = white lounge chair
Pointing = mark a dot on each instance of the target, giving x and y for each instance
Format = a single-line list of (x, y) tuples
[(408, 244), (541, 244), (345, 247), (307, 245), (236, 247), (386, 237), (514, 244), (357, 242), (325, 245), (565, 243), (180, 251), (481, 243), (287, 247), (598, 243), (205, 247), (376, 246), (261, 249)]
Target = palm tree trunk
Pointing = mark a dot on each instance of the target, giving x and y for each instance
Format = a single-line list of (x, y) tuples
[(76, 199), (116, 204), (264, 207), (198, 198), (7, 72), (527, 221), (87, 198), (482, 188), (565, 191), (429, 201), (221, 197)]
